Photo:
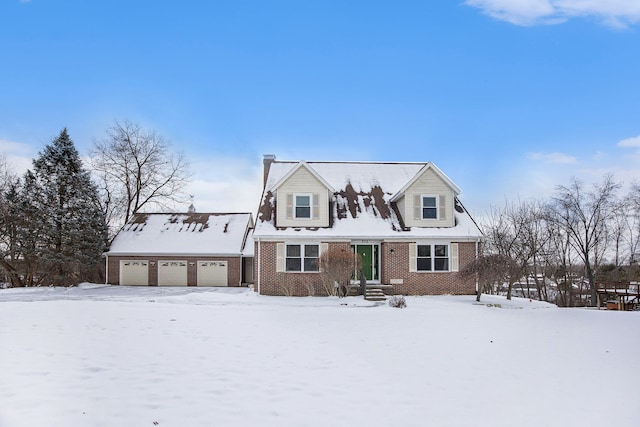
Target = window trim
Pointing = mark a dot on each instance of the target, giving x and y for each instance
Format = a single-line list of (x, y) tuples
[(436, 198), (295, 205), (302, 257), (433, 257)]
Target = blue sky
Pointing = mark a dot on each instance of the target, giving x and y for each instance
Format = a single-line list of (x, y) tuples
[(508, 97)]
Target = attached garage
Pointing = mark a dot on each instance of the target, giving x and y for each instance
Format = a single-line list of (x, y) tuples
[(174, 249), (213, 273), (172, 273), (134, 272)]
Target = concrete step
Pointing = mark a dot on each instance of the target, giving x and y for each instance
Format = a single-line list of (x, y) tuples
[(375, 295)]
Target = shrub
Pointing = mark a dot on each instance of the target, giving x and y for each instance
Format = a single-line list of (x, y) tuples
[(397, 301)]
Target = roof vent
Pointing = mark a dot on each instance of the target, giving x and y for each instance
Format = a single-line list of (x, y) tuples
[(459, 207)]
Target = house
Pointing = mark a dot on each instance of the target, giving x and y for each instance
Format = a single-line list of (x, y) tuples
[(404, 219), (190, 249)]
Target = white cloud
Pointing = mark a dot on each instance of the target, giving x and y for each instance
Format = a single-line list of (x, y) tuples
[(226, 185), (614, 13), (630, 142), (19, 156), (553, 157)]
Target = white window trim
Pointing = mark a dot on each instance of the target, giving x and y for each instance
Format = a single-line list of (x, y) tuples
[(302, 256), (295, 205), (437, 207), (433, 258)]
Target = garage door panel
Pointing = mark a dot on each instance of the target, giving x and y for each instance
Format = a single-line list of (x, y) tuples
[(212, 273), (134, 273), (172, 273)]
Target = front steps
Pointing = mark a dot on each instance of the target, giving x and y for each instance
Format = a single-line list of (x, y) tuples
[(374, 294)]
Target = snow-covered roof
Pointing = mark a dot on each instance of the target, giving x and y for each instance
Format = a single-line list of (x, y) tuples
[(362, 202), (183, 234)]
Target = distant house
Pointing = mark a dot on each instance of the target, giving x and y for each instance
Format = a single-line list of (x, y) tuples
[(190, 249), (404, 219)]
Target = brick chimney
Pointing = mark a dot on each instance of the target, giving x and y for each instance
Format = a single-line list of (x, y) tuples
[(266, 163)]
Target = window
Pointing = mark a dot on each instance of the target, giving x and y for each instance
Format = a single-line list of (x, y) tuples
[(433, 258), (302, 206), (302, 257), (424, 258), (429, 207)]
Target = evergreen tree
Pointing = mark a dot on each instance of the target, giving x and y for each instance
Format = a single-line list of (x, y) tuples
[(72, 229)]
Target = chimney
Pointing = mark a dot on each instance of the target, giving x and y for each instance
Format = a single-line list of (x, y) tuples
[(266, 163)]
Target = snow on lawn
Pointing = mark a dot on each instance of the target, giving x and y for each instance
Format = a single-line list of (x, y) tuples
[(121, 356)]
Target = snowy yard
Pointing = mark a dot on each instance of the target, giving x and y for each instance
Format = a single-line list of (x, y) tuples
[(120, 356)]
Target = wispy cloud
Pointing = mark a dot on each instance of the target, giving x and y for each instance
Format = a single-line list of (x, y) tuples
[(630, 142), (18, 155), (14, 147), (613, 13), (555, 157)]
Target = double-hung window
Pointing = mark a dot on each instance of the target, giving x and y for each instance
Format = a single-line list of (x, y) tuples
[(302, 257), (302, 207), (429, 205), (433, 258)]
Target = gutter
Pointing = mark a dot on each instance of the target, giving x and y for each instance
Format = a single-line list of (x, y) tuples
[(259, 259)]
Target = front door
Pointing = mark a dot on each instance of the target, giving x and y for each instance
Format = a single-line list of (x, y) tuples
[(369, 256)]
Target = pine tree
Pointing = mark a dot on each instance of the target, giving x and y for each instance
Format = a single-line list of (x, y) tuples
[(65, 202)]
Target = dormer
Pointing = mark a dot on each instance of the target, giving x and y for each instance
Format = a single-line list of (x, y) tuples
[(428, 199), (302, 198)]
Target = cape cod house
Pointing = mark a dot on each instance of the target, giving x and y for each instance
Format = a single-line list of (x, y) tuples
[(189, 249), (404, 219)]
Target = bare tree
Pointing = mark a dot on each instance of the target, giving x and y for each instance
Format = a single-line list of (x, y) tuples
[(7, 177), (585, 215), (492, 270), (337, 266), (136, 169), (633, 223), (514, 232)]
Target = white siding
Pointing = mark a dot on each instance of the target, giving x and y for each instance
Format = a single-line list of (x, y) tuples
[(302, 182), (429, 184)]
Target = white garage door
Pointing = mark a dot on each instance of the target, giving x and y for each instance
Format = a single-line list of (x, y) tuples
[(172, 273), (212, 273), (134, 273)]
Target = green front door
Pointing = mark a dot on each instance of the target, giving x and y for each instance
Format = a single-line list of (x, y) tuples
[(369, 256)]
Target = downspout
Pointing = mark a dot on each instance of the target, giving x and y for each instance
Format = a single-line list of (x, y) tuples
[(106, 269), (258, 266), (477, 285)]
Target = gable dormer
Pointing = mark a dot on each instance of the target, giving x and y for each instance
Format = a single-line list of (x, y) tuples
[(302, 198), (428, 199)]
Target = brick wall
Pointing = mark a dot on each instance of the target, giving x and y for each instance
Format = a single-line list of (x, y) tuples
[(233, 268), (395, 267), (287, 283)]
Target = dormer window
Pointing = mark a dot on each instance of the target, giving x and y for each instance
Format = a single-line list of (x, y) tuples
[(302, 207), (429, 207)]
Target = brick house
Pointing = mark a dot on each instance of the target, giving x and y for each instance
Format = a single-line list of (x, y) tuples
[(404, 219), (190, 249)]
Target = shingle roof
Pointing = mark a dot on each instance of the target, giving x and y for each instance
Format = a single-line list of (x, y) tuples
[(361, 202), (183, 234)]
